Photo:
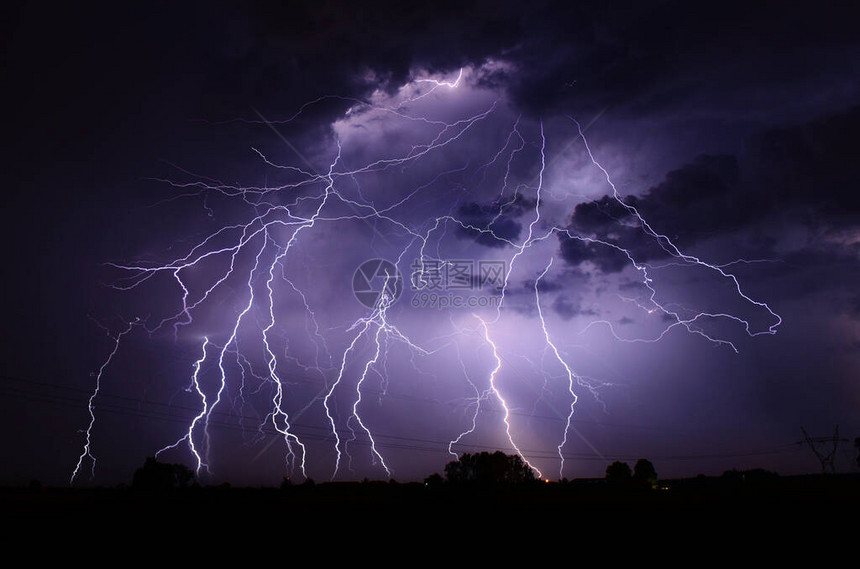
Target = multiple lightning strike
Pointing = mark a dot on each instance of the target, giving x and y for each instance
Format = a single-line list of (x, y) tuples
[(261, 253)]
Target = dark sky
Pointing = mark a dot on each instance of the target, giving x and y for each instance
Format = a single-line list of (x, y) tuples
[(328, 134)]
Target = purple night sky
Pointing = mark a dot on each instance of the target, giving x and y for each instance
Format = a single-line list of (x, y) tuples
[(619, 232)]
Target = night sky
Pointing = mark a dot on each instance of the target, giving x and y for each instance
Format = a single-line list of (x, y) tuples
[(672, 194)]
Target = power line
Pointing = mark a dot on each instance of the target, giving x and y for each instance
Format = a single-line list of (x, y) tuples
[(365, 391), (384, 440), (815, 443)]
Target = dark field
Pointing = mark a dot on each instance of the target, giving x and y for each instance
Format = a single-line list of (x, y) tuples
[(694, 497)]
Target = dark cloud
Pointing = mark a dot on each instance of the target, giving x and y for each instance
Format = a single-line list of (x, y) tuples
[(811, 165), (634, 58), (644, 58), (805, 168), (568, 308), (498, 218), (607, 259), (285, 53), (601, 216), (600, 229), (101, 94)]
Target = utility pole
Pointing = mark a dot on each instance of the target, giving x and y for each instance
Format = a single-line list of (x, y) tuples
[(815, 443)]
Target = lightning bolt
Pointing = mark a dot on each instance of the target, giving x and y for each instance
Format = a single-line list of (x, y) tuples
[(667, 245), (189, 436), (87, 453), (254, 257), (570, 374), (486, 334)]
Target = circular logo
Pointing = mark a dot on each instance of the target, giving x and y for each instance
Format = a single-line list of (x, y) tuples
[(374, 280)]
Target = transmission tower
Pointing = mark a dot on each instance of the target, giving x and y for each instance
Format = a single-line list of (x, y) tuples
[(819, 443)]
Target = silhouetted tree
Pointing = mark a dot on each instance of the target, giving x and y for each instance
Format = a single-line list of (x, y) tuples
[(732, 477), (488, 469), (618, 473), (434, 481), (857, 446), (644, 474), (154, 475)]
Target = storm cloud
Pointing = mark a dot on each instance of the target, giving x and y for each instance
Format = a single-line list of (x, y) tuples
[(729, 127)]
